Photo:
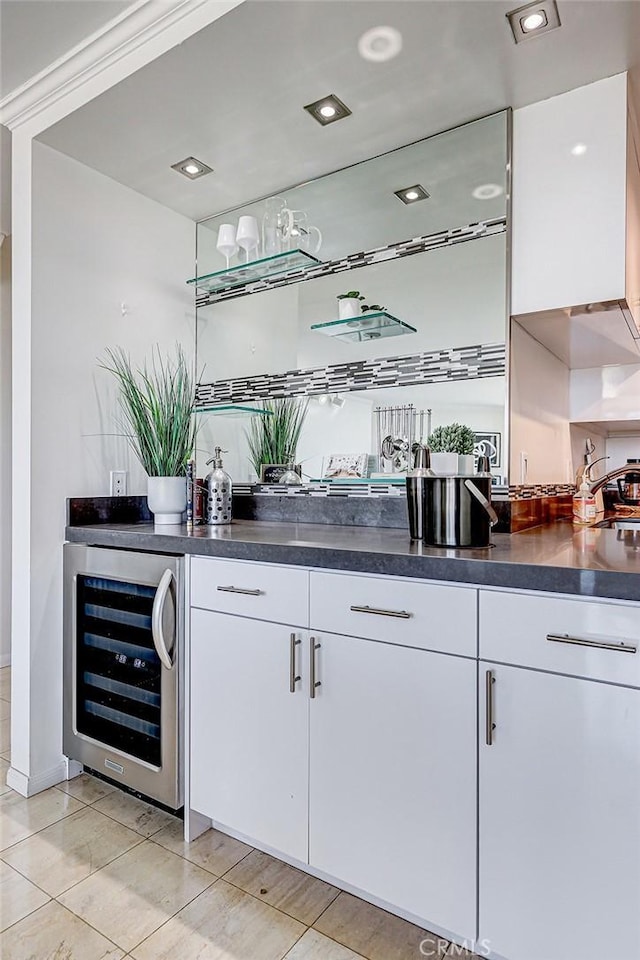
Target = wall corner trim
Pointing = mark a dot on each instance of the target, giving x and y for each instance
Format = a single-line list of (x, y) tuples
[(136, 27)]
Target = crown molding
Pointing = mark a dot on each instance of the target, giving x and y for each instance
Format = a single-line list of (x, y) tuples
[(138, 35)]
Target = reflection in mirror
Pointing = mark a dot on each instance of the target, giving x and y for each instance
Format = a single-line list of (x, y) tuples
[(433, 328)]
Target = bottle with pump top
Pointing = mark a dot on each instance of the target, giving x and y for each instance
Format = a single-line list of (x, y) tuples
[(585, 509), (218, 492)]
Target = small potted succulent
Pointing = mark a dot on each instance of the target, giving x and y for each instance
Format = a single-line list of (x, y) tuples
[(349, 304), (452, 450)]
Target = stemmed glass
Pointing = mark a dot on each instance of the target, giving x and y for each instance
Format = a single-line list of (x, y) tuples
[(226, 244), (248, 235)]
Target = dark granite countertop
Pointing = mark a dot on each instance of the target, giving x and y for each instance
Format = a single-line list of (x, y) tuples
[(558, 558)]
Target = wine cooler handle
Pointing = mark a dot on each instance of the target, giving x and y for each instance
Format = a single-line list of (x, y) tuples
[(156, 619)]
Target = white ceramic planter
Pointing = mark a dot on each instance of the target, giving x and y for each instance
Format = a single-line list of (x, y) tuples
[(444, 464), (466, 464), (167, 499), (348, 308), (453, 464)]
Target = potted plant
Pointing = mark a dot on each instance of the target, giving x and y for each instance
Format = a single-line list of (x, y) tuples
[(273, 435), (452, 450), (349, 304), (157, 405)]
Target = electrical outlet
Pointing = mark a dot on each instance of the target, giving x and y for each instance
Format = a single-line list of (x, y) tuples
[(118, 483)]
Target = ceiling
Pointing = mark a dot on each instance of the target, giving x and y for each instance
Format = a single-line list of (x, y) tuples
[(232, 95), (34, 33)]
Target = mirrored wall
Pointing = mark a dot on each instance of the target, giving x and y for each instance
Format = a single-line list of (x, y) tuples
[(428, 334)]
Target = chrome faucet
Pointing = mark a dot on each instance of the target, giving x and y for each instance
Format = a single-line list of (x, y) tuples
[(611, 475)]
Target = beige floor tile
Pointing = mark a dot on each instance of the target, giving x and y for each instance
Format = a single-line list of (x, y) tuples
[(52, 933), (315, 946), (290, 890), (5, 710), (213, 850), (131, 897), (223, 923), (6, 755), (4, 769), (70, 850), (5, 683), (5, 734), (86, 788), (374, 933), (21, 817), (133, 813), (18, 897)]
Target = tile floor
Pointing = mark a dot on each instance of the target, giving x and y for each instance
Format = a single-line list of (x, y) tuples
[(89, 873)]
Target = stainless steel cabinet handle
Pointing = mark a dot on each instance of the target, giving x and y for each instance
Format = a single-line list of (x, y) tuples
[(248, 593), (400, 614), (619, 645), (293, 679), (313, 683), (490, 725), (157, 612)]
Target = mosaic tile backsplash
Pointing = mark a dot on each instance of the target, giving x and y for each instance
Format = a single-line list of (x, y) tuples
[(406, 248), (436, 366)]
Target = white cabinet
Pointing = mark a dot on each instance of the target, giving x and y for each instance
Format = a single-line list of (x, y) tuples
[(559, 817), (570, 198), (249, 733), (393, 776), (411, 613)]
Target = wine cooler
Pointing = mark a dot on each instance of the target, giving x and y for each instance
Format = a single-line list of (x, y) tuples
[(123, 667)]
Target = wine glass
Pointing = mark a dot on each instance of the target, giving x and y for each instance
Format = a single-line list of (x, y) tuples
[(248, 235), (226, 244)]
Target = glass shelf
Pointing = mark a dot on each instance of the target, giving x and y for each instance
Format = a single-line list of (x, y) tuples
[(391, 478), (245, 273), (234, 410), (370, 326)]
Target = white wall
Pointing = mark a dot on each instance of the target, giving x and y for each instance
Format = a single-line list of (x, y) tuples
[(5, 452), (96, 246), (539, 412), (568, 210), (606, 393)]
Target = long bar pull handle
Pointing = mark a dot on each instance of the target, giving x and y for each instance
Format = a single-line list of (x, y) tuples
[(620, 646), (313, 683), (379, 612), (157, 612), (490, 725), (248, 593), (293, 679)]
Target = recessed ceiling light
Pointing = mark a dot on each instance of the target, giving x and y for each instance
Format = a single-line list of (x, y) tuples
[(533, 19), (380, 44), (579, 149), (412, 194), (328, 110), (192, 168), (487, 191)]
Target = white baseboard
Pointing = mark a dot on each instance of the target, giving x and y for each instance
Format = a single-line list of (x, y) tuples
[(5, 660), (28, 786)]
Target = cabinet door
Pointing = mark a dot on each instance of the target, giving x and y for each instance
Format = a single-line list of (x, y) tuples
[(559, 818), (393, 776), (249, 733)]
